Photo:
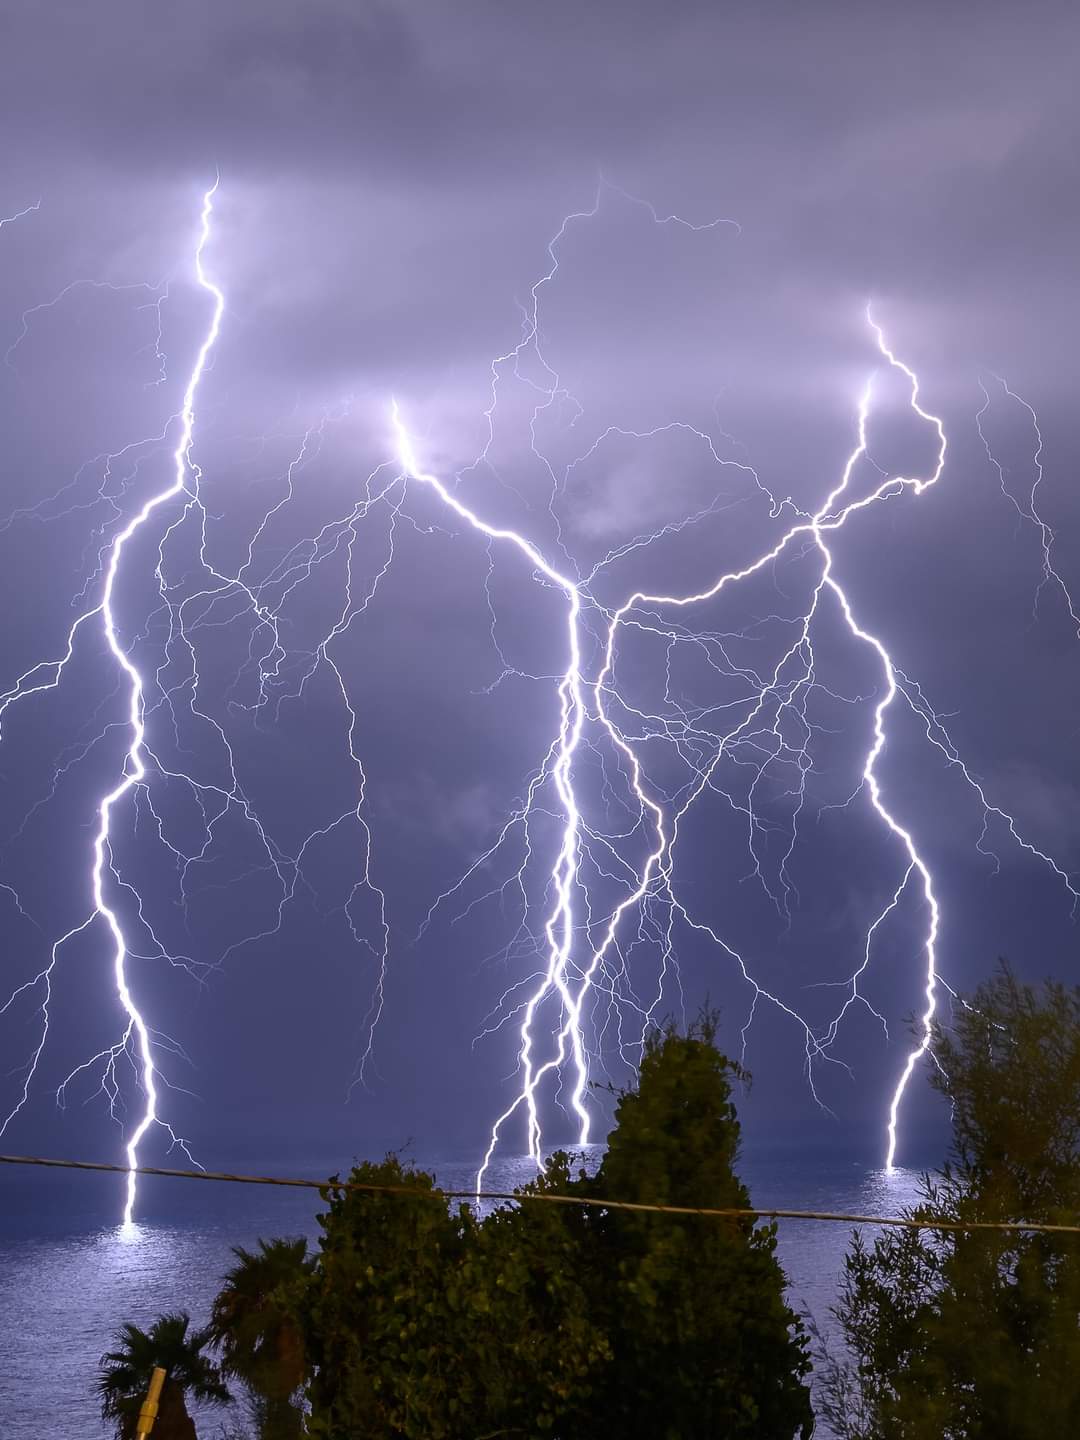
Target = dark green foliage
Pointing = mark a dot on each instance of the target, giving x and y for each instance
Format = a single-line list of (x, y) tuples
[(256, 1328), (976, 1335), (423, 1323), (378, 1330), (535, 1349), (125, 1376), (560, 1320), (704, 1343)]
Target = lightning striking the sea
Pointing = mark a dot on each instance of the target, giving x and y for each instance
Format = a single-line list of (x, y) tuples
[(662, 703), (137, 1031)]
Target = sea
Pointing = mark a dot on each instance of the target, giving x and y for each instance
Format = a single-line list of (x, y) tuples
[(70, 1275)]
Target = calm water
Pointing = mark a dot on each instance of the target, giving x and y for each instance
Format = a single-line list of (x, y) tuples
[(67, 1278)]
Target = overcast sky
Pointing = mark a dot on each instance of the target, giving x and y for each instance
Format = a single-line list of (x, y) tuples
[(729, 185)]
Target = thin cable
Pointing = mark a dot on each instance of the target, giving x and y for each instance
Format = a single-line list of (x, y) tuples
[(729, 1213)]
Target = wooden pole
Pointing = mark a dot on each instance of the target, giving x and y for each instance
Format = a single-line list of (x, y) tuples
[(149, 1410)]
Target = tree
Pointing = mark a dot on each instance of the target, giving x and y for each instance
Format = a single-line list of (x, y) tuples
[(525, 1299), (255, 1325), (125, 1376), (558, 1319), (439, 1326), (385, 1361), (975, 1334), (704, 1343)]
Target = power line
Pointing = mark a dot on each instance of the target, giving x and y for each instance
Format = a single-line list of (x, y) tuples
[(726, 1212)]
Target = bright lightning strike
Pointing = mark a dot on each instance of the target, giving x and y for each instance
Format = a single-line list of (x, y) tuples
[(560, 927), (48, 676), (166, 711)]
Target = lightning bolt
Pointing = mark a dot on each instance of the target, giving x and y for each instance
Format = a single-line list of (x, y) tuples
[(19, 214), (1027, 506), (202, 599), (561, 925), (48, 675)]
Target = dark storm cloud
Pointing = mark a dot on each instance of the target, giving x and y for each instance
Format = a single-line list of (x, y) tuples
[(397, 167), (849, 138)]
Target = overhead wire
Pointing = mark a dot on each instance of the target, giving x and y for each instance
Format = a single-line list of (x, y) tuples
[(335, 1184)]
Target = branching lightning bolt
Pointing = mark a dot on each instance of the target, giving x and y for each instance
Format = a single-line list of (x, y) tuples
[(208, 599), (49, 675), (1027, 507)]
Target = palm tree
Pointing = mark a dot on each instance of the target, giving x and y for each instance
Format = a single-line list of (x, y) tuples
[(126, 1371), (255, 1325)]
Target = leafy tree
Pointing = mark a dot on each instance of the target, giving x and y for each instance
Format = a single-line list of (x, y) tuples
[(525, 1296), (385, 1360), (125, 1376), (255, 1326), (432, 1324), (975, 1335), (563, 1320), (704, 1343)]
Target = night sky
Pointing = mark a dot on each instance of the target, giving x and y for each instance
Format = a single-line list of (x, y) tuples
[(729, 185)]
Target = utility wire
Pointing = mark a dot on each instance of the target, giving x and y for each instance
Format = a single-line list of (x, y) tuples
[(728, 1213)]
